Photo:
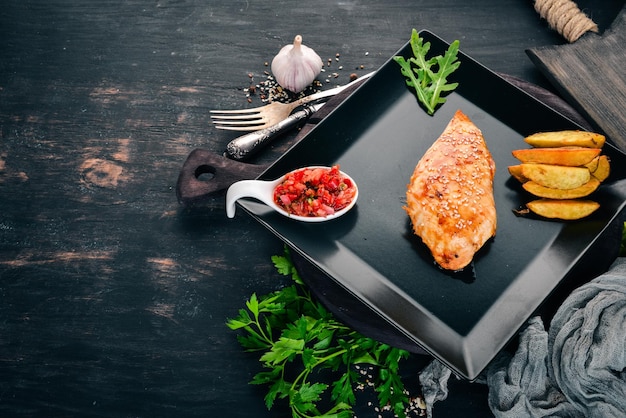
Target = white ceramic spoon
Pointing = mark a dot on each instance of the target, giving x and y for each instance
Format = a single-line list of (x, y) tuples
[(264, 191)]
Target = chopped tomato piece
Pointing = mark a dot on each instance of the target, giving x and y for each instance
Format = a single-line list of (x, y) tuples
[(314, 192)]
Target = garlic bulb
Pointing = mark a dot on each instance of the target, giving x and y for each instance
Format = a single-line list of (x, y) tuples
[(296, 66)]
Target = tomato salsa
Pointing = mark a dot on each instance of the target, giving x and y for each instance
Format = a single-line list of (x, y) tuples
[(314, 192)]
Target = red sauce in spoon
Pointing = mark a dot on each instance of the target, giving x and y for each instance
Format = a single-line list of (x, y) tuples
[(312, 192)]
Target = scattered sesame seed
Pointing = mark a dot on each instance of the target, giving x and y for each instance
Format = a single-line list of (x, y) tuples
[(269, 90)]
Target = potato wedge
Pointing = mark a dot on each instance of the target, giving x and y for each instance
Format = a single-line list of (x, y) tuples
[(548, 193), (566, 138), (556, 176), (600, 167), (569, 156), (563, 209), (593, 164), (516, 172)]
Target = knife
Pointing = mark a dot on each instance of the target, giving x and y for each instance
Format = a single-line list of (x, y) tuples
[(247, 145)]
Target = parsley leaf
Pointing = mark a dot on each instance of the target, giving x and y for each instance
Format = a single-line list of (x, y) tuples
[(429, 76), (298, 338)]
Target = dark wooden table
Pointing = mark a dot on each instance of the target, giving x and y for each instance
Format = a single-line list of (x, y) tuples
[(113, 297)]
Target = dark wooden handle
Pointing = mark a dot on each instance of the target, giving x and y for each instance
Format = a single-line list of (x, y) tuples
[(205, 174)]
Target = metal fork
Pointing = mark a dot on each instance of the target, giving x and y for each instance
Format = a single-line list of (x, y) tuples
[(265, 116)]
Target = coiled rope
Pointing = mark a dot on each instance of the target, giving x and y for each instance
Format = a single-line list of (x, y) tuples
[(566, 18)]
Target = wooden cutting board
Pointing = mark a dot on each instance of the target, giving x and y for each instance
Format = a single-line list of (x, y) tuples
[(591, 75)]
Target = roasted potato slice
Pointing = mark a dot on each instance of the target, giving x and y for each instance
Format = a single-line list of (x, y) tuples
[(593, 164), (566, 138), (556, 176), (600, 167), (516, 172), (569, 156), (563, 209), (549, 193)]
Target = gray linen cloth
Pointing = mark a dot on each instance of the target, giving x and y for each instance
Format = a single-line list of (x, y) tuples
[(575, 369), (434, 381)]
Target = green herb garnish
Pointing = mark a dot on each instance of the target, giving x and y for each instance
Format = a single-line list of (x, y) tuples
[(298, 338), (428, 76)]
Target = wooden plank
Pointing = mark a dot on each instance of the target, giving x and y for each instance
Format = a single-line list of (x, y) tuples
[(591, 75)]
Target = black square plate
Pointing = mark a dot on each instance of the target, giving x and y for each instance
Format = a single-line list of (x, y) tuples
[(378, 135)]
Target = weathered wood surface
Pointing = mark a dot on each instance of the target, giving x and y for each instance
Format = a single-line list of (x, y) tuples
[(113, 297), (590, 73)]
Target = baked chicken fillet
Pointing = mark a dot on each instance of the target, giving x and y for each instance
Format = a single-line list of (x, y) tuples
[(450, 197)]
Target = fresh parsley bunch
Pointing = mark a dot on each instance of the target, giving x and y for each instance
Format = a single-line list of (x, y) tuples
[(297, 338), (428, 76)]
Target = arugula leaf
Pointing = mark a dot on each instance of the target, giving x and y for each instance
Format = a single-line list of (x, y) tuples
[(429, 76), (297, 337)]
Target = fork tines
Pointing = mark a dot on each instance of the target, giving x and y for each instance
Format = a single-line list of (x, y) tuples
[(237, 120)]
